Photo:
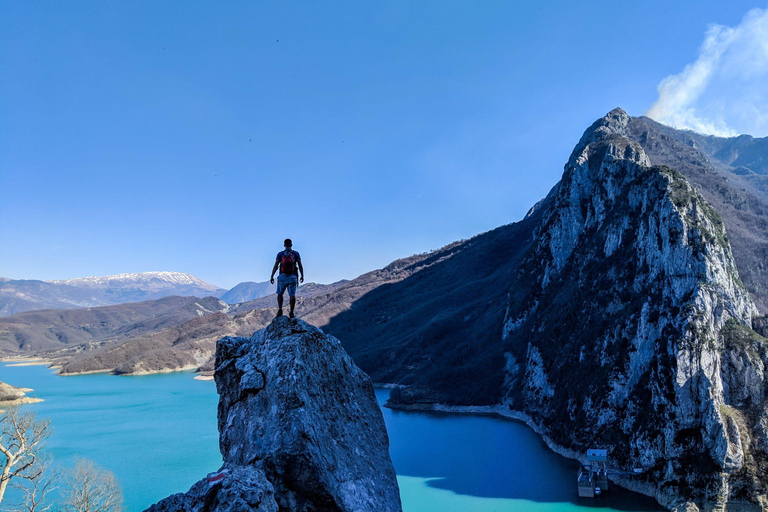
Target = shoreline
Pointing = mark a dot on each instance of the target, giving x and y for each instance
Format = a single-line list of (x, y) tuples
[(142, 373), (19, 401), (34, 361), (25, 361), (670, 502), (75, 374)]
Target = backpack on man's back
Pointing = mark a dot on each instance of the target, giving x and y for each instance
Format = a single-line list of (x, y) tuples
[(288, 264)]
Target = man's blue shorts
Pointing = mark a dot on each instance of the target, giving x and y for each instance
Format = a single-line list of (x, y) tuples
[(287, 281)]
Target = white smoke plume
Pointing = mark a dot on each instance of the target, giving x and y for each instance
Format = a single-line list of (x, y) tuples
[(725, 91)]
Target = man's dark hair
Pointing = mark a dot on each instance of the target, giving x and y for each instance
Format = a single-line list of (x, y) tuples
[(287, 242)]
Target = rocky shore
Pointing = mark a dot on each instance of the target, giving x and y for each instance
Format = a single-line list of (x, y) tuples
[(11, 396)]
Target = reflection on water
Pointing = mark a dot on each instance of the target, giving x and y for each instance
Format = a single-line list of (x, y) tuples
[(158, 434), (421, 495), (495, 459)]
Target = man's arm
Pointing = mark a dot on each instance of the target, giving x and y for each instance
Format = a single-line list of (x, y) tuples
[(301, 269), (272, 277)]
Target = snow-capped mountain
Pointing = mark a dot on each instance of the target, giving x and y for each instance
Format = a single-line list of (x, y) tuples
[(142, 280), (17, 295)]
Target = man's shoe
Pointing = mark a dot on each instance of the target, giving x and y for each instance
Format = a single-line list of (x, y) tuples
[(290, 315), (279, 313)]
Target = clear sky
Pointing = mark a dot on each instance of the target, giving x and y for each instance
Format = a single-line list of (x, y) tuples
[(196, 136)]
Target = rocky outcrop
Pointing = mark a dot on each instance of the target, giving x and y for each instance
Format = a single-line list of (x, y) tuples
[(13, 396), (10, 393), (628, 327), (300, 429)]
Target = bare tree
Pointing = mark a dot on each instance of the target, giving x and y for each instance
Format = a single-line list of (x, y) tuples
[(91, 488), (21, 438), (41, 481)]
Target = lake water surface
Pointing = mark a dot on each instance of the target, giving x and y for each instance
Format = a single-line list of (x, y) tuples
[(158, 434)]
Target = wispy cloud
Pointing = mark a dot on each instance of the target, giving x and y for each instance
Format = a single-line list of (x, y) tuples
[(725, 91)]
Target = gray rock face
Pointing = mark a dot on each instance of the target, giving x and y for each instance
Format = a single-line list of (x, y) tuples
[(300, 429), (741, 200), (629, 328)]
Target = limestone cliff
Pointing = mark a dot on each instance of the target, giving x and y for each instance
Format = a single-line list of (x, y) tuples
[(628, 327), (300, 429)]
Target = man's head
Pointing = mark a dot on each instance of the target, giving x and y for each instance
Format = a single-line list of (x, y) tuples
[(287, 244)]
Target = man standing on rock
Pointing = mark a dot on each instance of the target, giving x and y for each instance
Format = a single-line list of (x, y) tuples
[(289, 263)]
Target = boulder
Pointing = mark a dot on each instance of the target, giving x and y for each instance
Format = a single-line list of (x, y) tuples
[(300, 429)]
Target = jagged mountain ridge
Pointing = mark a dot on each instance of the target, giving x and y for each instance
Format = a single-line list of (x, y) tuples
[(629, 327), (743, 155), (742, 205), (586, 235), (19, 295)]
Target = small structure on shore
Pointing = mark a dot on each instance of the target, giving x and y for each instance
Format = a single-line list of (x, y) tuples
[(592, 479)]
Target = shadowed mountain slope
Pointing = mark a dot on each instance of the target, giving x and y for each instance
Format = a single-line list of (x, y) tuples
[(440, 326)]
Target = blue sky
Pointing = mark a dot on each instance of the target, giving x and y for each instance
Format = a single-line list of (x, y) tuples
[(195, 136)]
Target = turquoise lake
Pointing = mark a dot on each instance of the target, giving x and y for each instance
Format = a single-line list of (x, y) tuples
[(158, 434)]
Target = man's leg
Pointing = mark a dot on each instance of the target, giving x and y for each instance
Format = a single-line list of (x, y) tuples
[(292, 293), (280, 292)]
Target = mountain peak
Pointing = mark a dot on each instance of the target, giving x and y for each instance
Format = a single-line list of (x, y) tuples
[(177, 278), (616, 113), (608, 138), (615, 122)]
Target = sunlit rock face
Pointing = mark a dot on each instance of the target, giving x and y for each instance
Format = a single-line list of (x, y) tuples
[(300, 429), (628, 327)]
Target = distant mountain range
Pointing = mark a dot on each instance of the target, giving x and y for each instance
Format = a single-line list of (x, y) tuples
[(618, 312), (87, 328), (19, 295), (400, 322), (248, 290)]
